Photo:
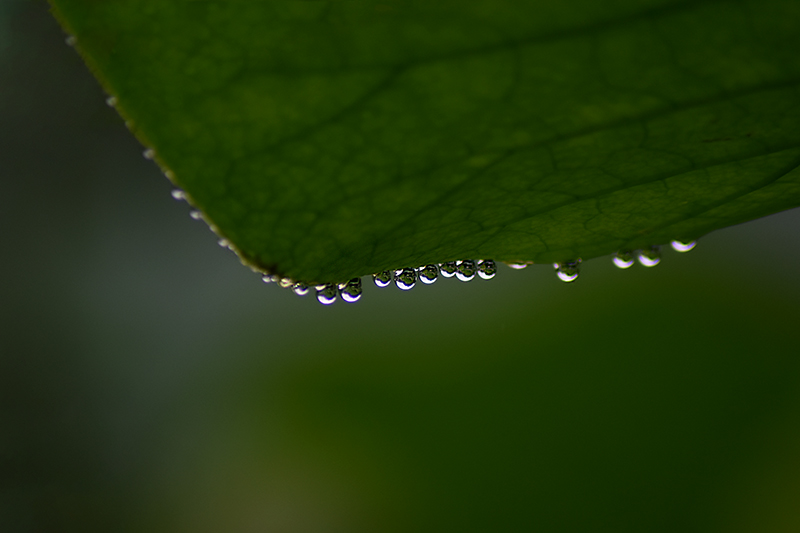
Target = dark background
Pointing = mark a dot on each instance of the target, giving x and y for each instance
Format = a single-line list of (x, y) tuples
[(150, 382)]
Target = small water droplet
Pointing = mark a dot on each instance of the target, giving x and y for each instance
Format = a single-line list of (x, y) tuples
[(71, 40), (382, 279), (679, 246), (149, 153), (650, 257), (285, 283), (269, 278), (326, 294), (178, 194), (197, 215), (351, 292), (300, 289), (225, 243), (405, 278), (428, 274), (517, 266), (170, 175), (466, 270), (486, 268), (623, 259), (568, 271), (129, 124), (111, 101), (448, 270)]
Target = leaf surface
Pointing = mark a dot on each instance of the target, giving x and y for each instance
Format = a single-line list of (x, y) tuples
[(331, 139)]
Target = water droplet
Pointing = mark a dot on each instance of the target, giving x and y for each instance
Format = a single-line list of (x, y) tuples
[(269, 278), (300, 289), (71, 40), (405, 278), (285, 283), (382, 279), (351, 292), (170, 175), (650, 257), (486, 268), (466, 270), (679, 246), (178, 194), (623, 259), (568, 271), (448, 270), (428, 274), (225, 243), (517, 266), (197, 215), (326, 294), (111, 101), (129, 124), (149, 153)]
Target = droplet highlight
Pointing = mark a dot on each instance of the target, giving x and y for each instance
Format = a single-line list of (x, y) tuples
[(351, 292), (326, 294), (285, 283), (178, 194), (428, 274), (650, 257), (623, 259), (448, 270), (679, 246), (382, 279), (405, 278), (487, 269), (466, 270), (197, 215), (300, 289), (517, 266), (269, 278), (568, 271)]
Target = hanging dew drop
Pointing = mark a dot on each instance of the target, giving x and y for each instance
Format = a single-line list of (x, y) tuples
[(269, 278), (326, 294), (487, 269), (149, 153), (71, 40), (623, 259), (449, 269), (428, 274), (382, 279), (300, 289), (465, 270), (111, 101), (178, 194), (517, 266), (224, 243), (351, 292), (650, 257), (285, 283), (568, 271), (197, 215), (679, 246), (405, 278)]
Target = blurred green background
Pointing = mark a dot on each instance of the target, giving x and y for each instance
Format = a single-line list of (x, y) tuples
[(148, 382)]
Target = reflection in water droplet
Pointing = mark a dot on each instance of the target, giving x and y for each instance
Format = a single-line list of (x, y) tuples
[(149, 153), (326, 294), (269, 278), (71, 40), (197, 215), (351, 292), (486, 268), (111, 101), (650, 257), (405, 278), (623, 259), (448, 270), (679, 246), (178, 194), (466, 270), (428, 274), (382, 279), (517, 266), (300, 289), (285, 283), (568, 271)]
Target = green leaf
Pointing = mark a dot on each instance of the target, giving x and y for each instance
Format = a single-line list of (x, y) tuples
[(331, 139)]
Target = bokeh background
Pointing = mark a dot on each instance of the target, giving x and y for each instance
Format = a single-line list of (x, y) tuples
[(148, 382)]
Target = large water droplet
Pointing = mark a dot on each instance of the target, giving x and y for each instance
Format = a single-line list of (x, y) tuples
[(111, 101), (382, 279), (679, 246), (650, 257), (300, 289), (326, 294), (178, 194), (568, 271), (405, 278), (466, 270), (623, 259), (149, 153), (517, 266), (448, 270), (428, 274), (351, 292), (486, 268)]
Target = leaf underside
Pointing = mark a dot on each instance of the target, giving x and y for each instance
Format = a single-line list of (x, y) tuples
[(327, 140)]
